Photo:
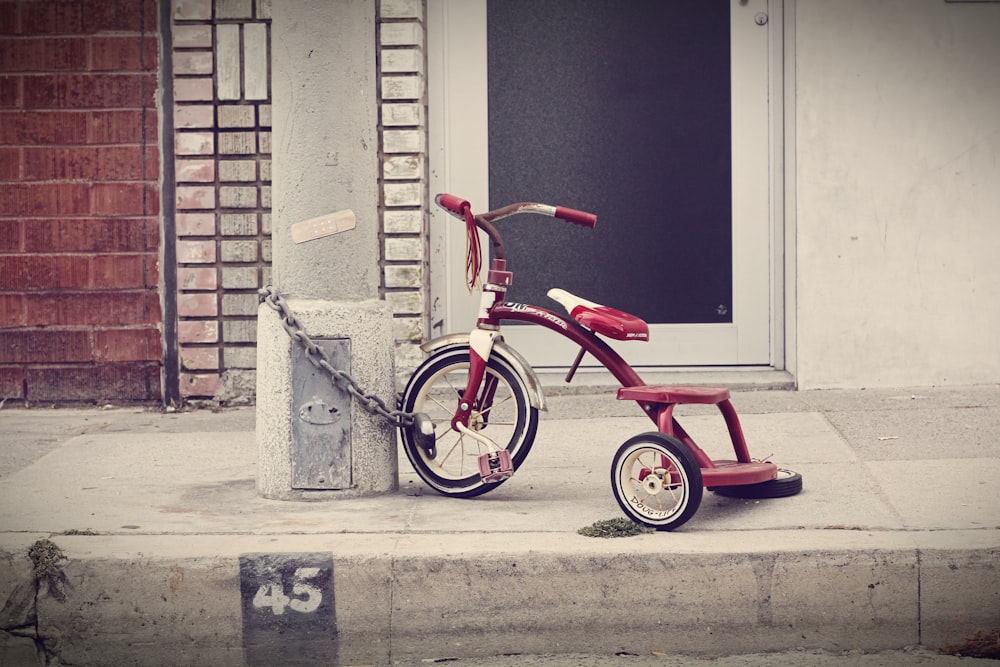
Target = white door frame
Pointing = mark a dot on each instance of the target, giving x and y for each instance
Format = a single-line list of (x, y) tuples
[(459, 164)]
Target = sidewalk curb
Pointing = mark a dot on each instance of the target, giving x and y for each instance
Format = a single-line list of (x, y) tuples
[(177, 599)]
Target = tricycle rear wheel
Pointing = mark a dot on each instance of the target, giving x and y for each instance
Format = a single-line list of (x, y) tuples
[(787, 483)]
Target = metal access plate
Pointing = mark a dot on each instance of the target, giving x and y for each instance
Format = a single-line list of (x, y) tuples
[(321, 420)]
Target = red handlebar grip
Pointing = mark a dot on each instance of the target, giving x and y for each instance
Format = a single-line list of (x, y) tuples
[(576, 217), (451, 203)]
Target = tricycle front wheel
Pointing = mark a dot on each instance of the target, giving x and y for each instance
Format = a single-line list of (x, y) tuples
[(451, 467), (656, 481)]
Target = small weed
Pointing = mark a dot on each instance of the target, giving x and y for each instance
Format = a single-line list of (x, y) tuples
[(76, 531), (45, 555), (620, 527), (977, 644)]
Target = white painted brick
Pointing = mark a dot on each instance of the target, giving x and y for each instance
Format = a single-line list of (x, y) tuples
[(264, 111), (227, 53), (233, 9), (238, 251), (403, 141), (403, 167), (239, 277), (241, 331), (231, 115), (402, 60), (404, 276), (237, 170), (237, 143), (402, 113), (238, 224), (255, 61), (408, 303), (403, 222), (239, 304), (263, 9), (240, 357), (409, 87), (403, 194), (403, 249), (238, 197), (402, 34), (402, 9), (408, 328)]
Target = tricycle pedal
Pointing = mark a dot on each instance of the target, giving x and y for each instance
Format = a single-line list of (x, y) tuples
[(495, 466)]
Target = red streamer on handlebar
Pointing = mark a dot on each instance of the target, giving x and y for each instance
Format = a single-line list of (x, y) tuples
[(473, 253)]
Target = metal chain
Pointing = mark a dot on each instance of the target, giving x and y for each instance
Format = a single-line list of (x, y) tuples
[(321, 360)]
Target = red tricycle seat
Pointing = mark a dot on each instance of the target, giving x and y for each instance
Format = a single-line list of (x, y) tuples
[(601, 319), (664, 394)]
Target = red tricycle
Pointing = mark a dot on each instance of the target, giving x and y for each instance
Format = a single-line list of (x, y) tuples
[(482, 399)]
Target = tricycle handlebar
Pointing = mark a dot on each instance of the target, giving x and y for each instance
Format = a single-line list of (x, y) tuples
[(458, 206)]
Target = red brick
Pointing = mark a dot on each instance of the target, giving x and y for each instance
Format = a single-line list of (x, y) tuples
[(81, 91), (90, 163), (51, 18), (199, 386), (48, 54), (91, 308), (124, 271), (10, 92), (33, 272), (43, 128), (193, 90), (200, 359), (10, 236), (123, 126), (8, 18), (124, 54), (195, 197), (10, 164), (152, 199), (197, 279), (30, 199), (119, 199), (136, 381), (127, 345), (41, 345), (196, 252), (91, 235), (195, 224), (12, 383), (200, 304), (198, 331), (12, 311), (120, 16)]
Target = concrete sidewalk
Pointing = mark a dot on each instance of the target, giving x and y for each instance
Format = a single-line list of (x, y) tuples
[(171, 558)]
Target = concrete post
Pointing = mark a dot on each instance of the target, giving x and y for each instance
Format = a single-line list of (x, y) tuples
[(324, 160)]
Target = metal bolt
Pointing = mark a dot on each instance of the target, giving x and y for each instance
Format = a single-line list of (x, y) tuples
[(760, 18)]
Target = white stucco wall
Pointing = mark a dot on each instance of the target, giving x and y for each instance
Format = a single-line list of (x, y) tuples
[(897, 184)]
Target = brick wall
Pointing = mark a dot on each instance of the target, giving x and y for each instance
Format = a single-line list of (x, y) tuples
[(222, 169), (403, 132), (79, 201)]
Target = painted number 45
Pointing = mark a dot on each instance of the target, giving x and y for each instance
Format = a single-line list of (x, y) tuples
[(305, 597)]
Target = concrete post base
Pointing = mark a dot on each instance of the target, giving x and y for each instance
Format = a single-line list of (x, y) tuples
[(368, 326)]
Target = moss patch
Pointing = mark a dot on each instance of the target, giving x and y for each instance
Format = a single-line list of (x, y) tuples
[(620, 527)]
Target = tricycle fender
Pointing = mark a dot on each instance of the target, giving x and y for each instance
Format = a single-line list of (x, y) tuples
[(501, 349)]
